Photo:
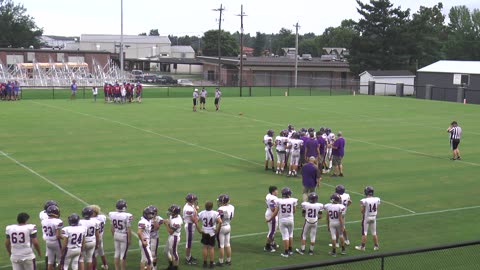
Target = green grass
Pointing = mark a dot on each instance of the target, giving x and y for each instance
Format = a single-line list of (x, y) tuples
[(158, 151)]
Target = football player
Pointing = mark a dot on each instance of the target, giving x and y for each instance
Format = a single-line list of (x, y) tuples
[(19, 241), (43, 215), (272, 221), (154, 236), (312, 212), (211, 223), (73, 242), (285, 219), (121, 232), (102, 219), (280, 144), (52, 229), (330, 141), (227, 212), (346, 201), (138, 92), (268, 142), (294, 145), (91, 238), (369, 210), (335, 224), (190, 217), (174, 228), (143, 232)]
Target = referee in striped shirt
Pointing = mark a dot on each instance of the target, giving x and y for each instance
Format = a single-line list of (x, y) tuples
[(455, 135)]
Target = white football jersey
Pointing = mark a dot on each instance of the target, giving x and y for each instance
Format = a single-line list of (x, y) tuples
[(334, 210), (271, 201), (312, 211), (92, 225), (42, 215), (154, 233), (75, 235), (189, 212), (102, 219), (331, 137), (371, 206), (120, 221), (345, 199), (21, 240), (176, 225), (266, 140), (286, 208), (50, 227), (296, 145), (281, 143), (290, 133), (146, 226), (209, 221), (226, 213)]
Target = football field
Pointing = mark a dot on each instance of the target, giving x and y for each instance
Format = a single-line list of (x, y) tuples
[(80, 152)]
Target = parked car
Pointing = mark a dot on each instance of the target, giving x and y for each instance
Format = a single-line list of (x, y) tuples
[(167, 80), (150, 78), (184, 82)]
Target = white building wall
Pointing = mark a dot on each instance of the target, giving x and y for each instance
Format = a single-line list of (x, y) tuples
[(364, 79), (387, 85), (187, 69)]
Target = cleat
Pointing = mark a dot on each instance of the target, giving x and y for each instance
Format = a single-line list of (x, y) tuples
[(376, 248), (343, 252), (347, 242), (228, 263), (219, 264), (290, 252), (360, 248), (285, 255), (299, 251), (459, 158), (192, 261), (310, 252), (333, 254)]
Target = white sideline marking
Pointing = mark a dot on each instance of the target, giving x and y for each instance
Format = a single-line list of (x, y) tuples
[(324, 225), (189, 143)]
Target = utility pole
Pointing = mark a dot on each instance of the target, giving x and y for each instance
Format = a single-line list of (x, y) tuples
[(121, 40), (221, 9), (296, 53), (242, 14)]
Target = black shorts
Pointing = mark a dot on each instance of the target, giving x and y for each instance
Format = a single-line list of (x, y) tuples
[(194, 102), (216, 101), (454, 143), (208, 240), (202, 100)]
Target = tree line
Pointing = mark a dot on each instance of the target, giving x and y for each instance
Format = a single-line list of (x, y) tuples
[(385, 37)]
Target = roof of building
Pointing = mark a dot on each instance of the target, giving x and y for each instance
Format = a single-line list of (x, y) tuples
[(388, 73), (126, 39), (182, 49), (59, 38), (453, 66), (276, 61)]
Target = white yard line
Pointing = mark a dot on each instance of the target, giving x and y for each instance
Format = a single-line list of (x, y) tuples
[(324, 225)]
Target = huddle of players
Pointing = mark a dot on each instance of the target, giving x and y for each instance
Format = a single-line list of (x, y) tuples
[(280, 214), (10, 91), (121, 93), (83, 238), (290, 144)]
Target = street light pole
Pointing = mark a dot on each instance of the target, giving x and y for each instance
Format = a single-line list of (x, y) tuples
[(121, 40), (221, 9), (241, 48), (296, 53)]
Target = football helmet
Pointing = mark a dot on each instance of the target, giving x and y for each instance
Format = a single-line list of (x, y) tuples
[(121, 205), (290, 127), (312, 197), (148, 213), (270, 132), (335, 198), (154, 209), (53, 210), (173, 210), (191, 198), (223, 199), (48, 203), (73, 220), (87, 212), (286, 192), (340, 189), (328, 130), (368, 191), (311, 130)]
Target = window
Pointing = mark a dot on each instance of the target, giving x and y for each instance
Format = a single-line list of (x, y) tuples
[(465, 81)]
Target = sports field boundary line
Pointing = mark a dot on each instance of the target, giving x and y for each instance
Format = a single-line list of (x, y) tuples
[(186, 142), (323, 225)]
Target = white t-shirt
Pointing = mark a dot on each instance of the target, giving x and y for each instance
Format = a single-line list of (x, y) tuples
[(209, 221), (21, 240)]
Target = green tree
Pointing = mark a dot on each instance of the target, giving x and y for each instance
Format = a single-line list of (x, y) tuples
[(463, 34), (228, 45), (17, 29), (427, 28), (383, 41), (259, 44), (284, 39), (154, 32)]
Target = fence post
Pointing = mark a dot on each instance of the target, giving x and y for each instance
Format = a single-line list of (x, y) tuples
[(84, 92), (382, 265), (400, 87), (310, 90), (53, 92), (168, 91), (250, 91), (428, 91), (460, 94)]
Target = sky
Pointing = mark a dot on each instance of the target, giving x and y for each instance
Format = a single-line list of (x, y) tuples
[(194, 17)]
